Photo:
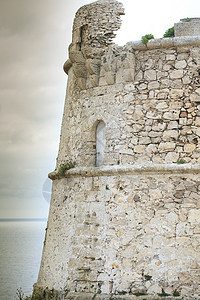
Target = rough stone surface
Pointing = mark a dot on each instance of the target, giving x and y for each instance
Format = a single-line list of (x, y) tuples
[(188, 26), (132, 226), (144, 111), (121, 233)]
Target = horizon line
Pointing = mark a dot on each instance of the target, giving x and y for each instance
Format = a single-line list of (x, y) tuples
[(22, 219)]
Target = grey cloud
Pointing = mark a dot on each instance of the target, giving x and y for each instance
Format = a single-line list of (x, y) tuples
[(34, 40), (34, 37), (30, 17)]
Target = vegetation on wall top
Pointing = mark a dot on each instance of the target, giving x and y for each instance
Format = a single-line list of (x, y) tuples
[(169, 32), (67, 166), (146, 38), (186, 20)]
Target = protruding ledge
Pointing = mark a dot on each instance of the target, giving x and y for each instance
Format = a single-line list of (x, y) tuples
[(67, 66), (142, 169)]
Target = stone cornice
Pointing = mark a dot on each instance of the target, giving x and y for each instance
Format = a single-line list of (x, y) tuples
[(140, 169), (181, 41)]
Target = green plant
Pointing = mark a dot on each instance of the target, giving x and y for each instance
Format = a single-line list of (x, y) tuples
[(180, 161), (44, 294), (67, 166), (186, 20), (122, 293), (20, 294), (51, 294), (169, 32), (163, 294), (176, 293), (147, 277), (38, 295), (70, 164), (138, 294), (146, 38), (107, 187), (62, 169), (66, 292)]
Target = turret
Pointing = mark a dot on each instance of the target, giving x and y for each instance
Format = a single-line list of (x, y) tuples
[(125, 220)]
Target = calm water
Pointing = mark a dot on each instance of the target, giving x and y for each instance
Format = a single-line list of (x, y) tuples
[(20, 253)]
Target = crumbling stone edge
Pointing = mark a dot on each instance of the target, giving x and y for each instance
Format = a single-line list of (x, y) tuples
[(180, 41)]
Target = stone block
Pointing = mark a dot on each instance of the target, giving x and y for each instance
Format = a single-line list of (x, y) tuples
[(93, 66), (81, 83), (171, 115), (188, 148), (181, 64), (128, 75), (139, 148), (76, 57), (170, 134), (195, 97), (176, 93), (80, 70), (92, 81), (176, 74), (154, 289), (110, 78), (194, 216), (153, 85), (172, 157), (172, 125), (150, 75), (170, 57), (166, 147)]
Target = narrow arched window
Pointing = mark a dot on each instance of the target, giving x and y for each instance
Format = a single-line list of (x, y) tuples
[(100, 143)]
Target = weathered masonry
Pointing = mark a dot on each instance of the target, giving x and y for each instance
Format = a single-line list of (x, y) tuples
[(126, 220)]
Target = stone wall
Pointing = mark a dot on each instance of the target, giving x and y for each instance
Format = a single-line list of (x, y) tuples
[(154, 117), (131, 225), (122, 230), (187, 27)]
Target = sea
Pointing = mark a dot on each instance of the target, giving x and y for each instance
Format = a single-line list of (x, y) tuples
[(21, 244)]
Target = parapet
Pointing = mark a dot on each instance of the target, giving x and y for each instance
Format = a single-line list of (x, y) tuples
[(187, 27)]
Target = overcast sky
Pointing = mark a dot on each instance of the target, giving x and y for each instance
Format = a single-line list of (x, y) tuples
[(34, 39)]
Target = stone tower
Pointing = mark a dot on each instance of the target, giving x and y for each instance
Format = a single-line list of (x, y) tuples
[(126, 220)]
